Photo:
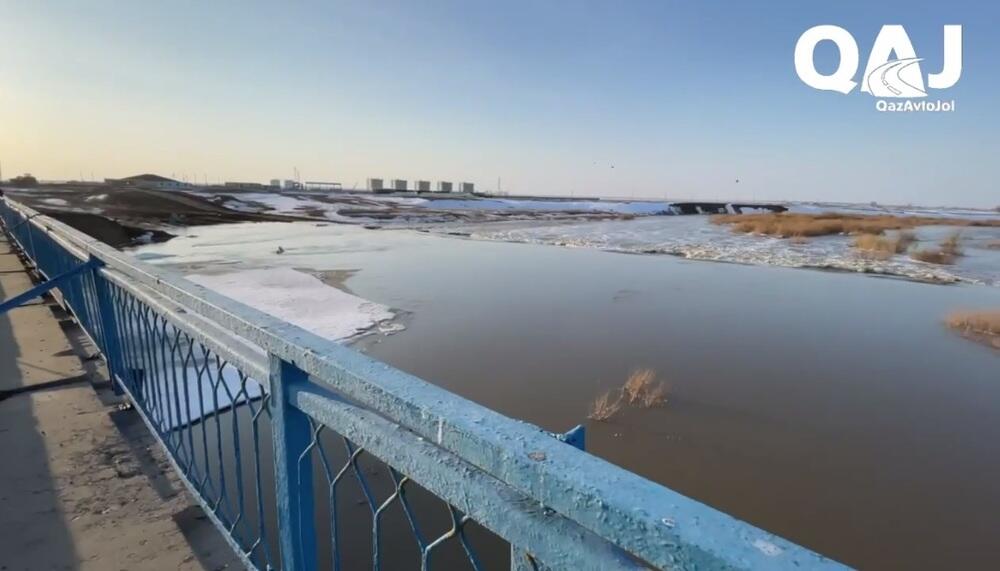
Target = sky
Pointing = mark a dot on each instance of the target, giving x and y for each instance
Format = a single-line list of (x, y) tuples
[(646, 99)]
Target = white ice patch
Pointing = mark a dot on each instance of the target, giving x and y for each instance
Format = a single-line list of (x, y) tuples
[(190, 391), (695, 237), (299, 299), (619, 207), (55, 201), (877, 209)]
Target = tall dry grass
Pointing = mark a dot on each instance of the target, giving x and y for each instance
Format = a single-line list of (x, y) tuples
[(606, 406), (983, 326), (884, 246), (933, 256), (641, 390), (949, 249), (793, 224), (952, 245)]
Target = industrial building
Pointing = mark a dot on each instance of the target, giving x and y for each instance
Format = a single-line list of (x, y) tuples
[(379, 185), (249, 185), (149, 181), (322, 185)]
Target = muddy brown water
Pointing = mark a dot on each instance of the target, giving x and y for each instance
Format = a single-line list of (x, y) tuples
[(832, 409)]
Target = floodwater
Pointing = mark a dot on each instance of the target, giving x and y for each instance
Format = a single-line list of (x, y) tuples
[(832, 409)]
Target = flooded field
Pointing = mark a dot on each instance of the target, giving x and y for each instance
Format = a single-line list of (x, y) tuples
[(834, 409), (696, 238)]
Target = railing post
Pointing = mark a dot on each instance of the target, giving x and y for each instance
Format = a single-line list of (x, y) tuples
[(292, 477), (109, 330), (521, 560)]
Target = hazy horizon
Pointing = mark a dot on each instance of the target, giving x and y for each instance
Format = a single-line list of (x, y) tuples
[(646, 99)]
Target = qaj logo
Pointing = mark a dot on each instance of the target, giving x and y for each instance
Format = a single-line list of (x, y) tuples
[(893, 68)]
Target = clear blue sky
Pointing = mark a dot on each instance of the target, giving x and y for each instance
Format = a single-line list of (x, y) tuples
[(682, 98)]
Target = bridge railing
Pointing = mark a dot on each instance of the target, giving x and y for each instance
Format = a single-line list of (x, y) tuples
[(307, 454)]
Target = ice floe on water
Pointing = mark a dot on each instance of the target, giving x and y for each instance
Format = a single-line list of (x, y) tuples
[(879, 209), (695, 237), (199, 386), (299, 299)]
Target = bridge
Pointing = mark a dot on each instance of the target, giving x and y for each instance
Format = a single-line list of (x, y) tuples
[(306, 454)]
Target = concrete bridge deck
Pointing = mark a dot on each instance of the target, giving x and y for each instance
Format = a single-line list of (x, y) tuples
[(82, 483)]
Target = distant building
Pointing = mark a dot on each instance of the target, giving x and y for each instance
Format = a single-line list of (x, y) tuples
[(149, 181), (400, 185), (467, 187), (247, 185), (290, 184), (375, 185), (24, 181), (423, 186), (320, 185), (444, 186), (276, 183)]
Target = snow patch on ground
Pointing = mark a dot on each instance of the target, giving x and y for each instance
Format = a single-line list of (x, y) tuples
[(330, 205), (55, 201), (298, 205), (638, 207)]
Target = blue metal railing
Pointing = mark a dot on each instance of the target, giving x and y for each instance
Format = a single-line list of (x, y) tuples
[(308, 455)]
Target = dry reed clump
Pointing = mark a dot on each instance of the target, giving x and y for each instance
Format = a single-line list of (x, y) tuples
[(636, 384), (932, 256), (951, 245), (949, 250), (884, 246), (983, 326), (904, 240), (606, 405), (994, 245), (640, 390), (655, 396), (793, 224)]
